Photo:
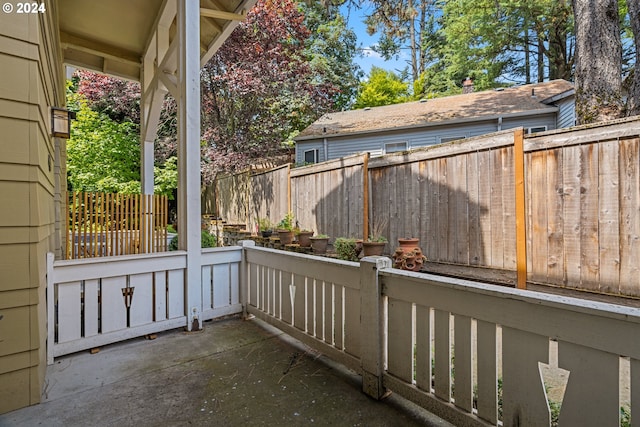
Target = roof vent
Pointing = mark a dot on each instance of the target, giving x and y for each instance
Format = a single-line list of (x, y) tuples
[(367, 108), (499, 89), (423, 100), (533, 93)]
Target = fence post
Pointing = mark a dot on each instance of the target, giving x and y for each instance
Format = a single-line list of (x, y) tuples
[(371, 325), (521, 225), (244, 276)]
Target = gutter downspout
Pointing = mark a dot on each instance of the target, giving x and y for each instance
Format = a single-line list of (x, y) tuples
[(325, 146), (499, 123)]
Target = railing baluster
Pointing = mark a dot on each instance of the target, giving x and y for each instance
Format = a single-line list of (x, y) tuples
[(487, 371), (442, 334), (400, 339), (592, 394), (523, 394), (463, 379), (424, 370)]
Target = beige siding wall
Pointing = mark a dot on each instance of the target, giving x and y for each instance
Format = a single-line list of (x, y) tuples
[(31, 81)]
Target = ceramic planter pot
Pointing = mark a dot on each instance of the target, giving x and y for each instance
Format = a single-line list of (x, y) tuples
[(319, 244), (373, 248), (286, 237), (408, 256), (266, 233), (408, 244), (304, 238)]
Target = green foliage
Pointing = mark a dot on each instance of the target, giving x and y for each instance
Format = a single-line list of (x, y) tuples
[(346, 248), (286, 223), (320, 236), (625, 417), (382, 88), (102, 155), (265, 224), (207, 240), (166, 177), (330, 51)]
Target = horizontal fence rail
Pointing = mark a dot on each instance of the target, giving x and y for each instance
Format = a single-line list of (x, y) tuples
[(103, 224), (99, 301)]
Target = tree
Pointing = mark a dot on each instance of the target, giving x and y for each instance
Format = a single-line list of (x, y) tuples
[(119, 99), (633, 103), (403, 24), (259, 90), (331, 49), (382, 88), (520, 41), (598, 74), (102, 155)]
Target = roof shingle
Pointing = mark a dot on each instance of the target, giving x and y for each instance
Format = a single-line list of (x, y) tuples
[(466, 106)]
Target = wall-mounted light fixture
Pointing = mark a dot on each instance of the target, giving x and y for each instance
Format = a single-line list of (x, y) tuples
[(61, 122)]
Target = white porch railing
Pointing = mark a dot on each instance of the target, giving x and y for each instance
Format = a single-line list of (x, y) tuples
[(420, 335), (98, 301)]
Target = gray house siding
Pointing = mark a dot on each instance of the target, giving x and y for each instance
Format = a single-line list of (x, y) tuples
[(567, 113), (311, 145), (374, 142), (548, 120)]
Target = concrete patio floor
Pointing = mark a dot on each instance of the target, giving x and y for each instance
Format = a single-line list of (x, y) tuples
[(232, 373)]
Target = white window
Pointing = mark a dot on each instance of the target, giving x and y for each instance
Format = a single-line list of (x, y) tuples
[(451, 138), (394, 147), (536, 129), (311, 156)]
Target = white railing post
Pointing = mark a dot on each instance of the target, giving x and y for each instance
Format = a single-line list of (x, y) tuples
[(244, 276), (51, 327), (371, 325), (188, 19)]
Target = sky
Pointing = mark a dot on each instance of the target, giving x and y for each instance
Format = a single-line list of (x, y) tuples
[(355, 21)]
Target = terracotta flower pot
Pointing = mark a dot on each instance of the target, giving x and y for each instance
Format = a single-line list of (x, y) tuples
[(408, 256), (319, 244), (304, 238), (373, 248), (408, 244), (286, 237)]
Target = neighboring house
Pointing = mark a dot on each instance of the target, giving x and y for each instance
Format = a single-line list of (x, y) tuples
[(400, 127)]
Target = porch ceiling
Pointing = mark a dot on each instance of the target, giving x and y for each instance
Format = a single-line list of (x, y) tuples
[(112, 36)]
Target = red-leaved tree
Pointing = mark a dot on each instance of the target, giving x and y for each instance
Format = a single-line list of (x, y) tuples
[(259, 90)]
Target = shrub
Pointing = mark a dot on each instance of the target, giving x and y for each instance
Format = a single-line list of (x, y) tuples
[(207, 240), (346, 248)]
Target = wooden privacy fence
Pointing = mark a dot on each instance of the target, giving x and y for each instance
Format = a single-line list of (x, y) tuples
[(103, 224), (244, 198), (560, 208)]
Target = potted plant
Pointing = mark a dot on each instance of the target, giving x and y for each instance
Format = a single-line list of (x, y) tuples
[(319, 243), (285, 229), (376, 242), (304, 237), (265, 226), (374, 246), (346, 248)]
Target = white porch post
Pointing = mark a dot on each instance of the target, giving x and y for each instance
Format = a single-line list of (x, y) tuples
[(188, 18)]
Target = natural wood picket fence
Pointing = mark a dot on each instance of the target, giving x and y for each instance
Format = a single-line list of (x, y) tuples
[(103, 224)]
